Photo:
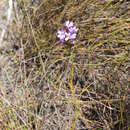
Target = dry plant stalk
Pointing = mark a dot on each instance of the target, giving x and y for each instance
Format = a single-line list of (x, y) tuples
[(8, 20)]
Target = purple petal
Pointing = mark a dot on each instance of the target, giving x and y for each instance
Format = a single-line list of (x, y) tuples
[(73, 29), (61, 34), (61, 41), (72, 36), (69, 24)]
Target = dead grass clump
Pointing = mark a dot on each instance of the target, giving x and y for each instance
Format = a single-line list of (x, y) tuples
[(74, 86)]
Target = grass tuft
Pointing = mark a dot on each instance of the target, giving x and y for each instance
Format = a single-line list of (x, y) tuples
[(73, 86)]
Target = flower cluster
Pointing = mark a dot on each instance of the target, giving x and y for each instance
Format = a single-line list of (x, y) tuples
[(68, 32)]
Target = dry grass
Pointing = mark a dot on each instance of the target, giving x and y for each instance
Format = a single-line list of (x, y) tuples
[(84, 86)]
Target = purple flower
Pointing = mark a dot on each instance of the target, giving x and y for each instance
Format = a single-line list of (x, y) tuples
[(69, 24), (61, 35), (73, 29), (68, 32), (71, 36)]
